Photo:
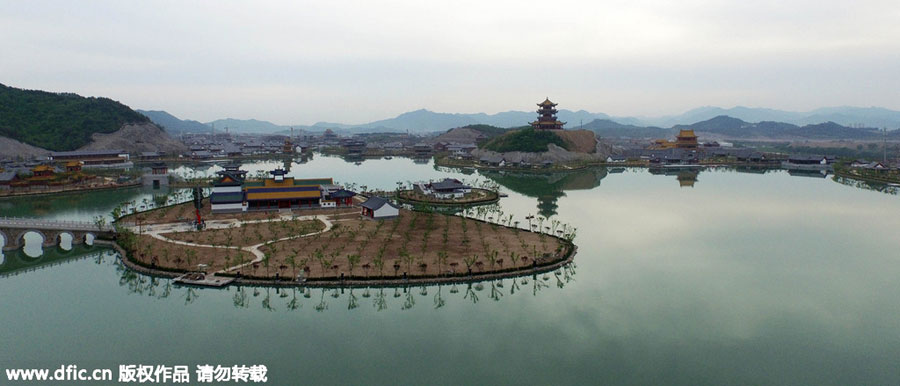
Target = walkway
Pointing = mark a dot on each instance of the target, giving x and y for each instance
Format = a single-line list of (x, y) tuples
[(157, 230)]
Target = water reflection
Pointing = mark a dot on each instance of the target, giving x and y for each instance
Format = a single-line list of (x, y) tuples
[(548, 187), (321, 299), (686, 177), (873, 186), (18, 262)]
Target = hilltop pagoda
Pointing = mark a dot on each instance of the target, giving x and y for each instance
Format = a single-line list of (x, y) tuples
[(547, 117)]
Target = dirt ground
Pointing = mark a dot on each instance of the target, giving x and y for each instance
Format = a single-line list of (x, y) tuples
[(249, 234), (185, 212), (411, 244), (415, 243), (164, 254)]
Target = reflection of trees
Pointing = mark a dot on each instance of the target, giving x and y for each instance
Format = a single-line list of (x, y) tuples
[(190, 295), (322, 306), (408, 301), (352, 302), (240, 298), (438, 297), (873, 186), (379, 302), (470, 294), (292, 299)]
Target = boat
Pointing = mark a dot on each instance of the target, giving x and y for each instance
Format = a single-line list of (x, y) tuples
[(388, 157)]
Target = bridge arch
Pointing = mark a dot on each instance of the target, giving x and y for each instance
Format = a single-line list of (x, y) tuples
[(21, 242), (61, 240), (4, 240), (88, 238)]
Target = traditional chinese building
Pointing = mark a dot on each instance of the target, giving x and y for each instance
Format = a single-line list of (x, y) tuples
[(41, 174), (379, 208), (686, 139), (547, 117), (227, 194), (338, 198), (280, 192), (73, 167), (158, 177), (288, 147)]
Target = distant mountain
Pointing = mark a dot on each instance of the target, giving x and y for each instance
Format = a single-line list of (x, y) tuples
[(425, 121), (60, 121), (246, 126), (173, 124), (730, 127), (726, 127), (847, 116), (612, 129)]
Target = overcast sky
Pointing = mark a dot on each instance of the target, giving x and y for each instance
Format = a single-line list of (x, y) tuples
[(357, 61)]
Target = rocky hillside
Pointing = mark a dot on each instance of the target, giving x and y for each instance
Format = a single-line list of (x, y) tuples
[(136, 138)]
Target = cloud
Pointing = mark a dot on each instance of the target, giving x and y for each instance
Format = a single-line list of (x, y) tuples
[(355, 61)]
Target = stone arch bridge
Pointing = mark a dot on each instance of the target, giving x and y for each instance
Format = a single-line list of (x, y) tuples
[(13, 230)]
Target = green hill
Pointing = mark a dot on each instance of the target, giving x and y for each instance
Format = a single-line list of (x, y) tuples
[(525, 140), (59, 121)]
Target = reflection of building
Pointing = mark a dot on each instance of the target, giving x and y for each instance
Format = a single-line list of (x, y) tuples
[(547, 117), (548, 187), (687, 178)]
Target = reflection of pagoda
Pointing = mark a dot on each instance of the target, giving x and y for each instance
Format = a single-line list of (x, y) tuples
[(547, 118), (687, 178)]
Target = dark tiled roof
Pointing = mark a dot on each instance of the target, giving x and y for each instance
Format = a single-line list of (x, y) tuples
[(375, 202), (7, 176), (85, 153), (342, 193), (226, 198), (448, 184)]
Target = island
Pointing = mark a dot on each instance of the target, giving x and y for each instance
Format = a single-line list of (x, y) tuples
[(316, 241)]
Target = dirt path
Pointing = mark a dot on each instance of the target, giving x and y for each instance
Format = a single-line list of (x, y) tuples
[(157, 230)]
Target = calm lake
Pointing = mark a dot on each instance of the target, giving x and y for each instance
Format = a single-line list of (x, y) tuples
[(721, 277)]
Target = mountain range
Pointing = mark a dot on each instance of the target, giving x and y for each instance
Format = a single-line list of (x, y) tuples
[(425, 121), (726, 127)]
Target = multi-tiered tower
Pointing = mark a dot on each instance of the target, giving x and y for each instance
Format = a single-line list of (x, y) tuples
[(547, 118)]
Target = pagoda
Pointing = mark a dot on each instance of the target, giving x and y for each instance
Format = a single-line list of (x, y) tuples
[(547, 118), (686, 139)]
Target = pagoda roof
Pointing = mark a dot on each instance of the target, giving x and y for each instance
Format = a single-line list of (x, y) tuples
[(547, 103)]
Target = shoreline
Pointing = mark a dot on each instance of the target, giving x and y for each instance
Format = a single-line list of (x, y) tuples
[(353, 282), (67, 191)]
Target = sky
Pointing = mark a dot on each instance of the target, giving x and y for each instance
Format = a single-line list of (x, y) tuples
[(357, 61)]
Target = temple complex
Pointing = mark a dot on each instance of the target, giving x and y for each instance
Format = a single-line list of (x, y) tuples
[(281, 192), (547, 117), (685, 139)]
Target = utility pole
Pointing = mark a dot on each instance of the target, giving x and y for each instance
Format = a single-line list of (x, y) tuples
[(884, 146)]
